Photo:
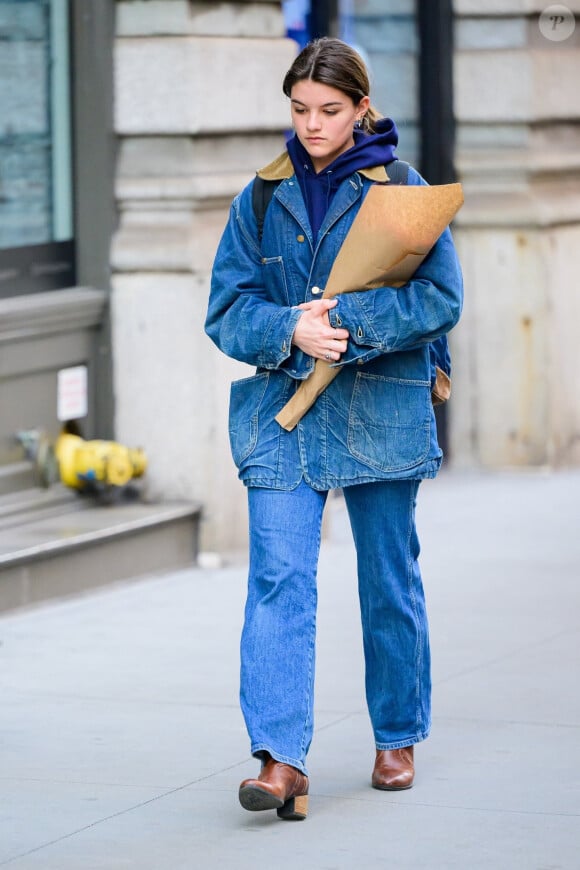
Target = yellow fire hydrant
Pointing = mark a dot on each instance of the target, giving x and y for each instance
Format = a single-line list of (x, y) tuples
[(82, 464), (105, 466)]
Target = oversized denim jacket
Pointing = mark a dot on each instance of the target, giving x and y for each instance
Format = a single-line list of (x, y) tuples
[(375, 421)]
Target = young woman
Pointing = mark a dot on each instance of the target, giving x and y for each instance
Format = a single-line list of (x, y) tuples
[(372, 431)]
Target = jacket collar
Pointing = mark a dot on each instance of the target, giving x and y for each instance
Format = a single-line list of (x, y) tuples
[(282, 168)]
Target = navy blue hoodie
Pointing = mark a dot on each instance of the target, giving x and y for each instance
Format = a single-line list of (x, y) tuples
[(318, 189)]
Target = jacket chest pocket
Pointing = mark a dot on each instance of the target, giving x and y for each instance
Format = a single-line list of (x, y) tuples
[(389, 424), (274, 278)]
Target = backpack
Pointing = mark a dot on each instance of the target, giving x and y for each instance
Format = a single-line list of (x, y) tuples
[(262, 193)]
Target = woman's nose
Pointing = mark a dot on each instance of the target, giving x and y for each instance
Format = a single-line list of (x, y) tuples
[(313, 122)]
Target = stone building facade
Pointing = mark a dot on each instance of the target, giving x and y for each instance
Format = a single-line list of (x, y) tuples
[(198, 108), (193, 129), (516, 69), (195, 106)]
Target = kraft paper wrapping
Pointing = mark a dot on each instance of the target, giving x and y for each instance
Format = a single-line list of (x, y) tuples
[(396, 227)]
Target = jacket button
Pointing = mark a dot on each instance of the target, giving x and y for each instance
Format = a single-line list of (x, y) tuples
[(359, 362), (300, 238), (316, 290)]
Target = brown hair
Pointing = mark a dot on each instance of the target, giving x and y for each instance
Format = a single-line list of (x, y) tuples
[(333, 62)]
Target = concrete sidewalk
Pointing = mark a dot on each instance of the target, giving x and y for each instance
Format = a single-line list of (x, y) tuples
[(122, 745)]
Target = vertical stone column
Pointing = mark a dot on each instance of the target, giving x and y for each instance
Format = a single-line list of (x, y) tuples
[(198, 108), (516, 358)]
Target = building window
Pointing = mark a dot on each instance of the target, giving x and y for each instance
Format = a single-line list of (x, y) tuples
[(386, 36), (36, 200)]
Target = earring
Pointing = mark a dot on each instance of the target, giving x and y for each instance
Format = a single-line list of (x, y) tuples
[(358, 123)]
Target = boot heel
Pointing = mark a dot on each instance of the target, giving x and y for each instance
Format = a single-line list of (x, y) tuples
[(295, 809)]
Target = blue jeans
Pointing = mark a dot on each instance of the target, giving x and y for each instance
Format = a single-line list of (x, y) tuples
[(278, 637)]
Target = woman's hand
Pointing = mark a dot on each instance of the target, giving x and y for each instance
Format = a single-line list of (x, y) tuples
[(314, 334)]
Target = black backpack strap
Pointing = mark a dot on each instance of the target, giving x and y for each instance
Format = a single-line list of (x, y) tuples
[(398, 172), (262, 193)]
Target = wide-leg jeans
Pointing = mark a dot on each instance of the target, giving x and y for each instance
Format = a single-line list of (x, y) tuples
[(278, 636)]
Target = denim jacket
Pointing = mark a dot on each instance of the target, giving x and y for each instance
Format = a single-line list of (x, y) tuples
[(375, 421)]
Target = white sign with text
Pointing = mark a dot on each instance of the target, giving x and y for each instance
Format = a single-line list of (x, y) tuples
[(72, 393)]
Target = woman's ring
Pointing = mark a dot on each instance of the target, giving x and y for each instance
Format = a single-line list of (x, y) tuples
[(327, 356)]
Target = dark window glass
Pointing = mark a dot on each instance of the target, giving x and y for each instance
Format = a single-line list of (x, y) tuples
[(36, 211), (386, 36)]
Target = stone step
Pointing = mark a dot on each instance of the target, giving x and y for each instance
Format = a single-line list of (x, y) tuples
[(29, 504), (57, 543)]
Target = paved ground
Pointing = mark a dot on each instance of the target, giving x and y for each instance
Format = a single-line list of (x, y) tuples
[(122, 746)]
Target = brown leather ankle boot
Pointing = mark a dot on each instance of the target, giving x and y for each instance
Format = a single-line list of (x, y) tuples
[(394, 769), (279, 786)]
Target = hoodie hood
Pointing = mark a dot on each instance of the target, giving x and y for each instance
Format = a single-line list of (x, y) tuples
[(318, 189)]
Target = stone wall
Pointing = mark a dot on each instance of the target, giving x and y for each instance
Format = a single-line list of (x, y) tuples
[(516, 351), (198, 108)]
